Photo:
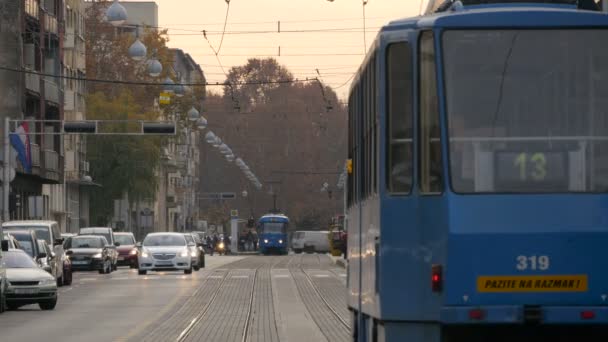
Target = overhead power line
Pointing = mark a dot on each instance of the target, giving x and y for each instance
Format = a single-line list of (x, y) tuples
[(140, 83)]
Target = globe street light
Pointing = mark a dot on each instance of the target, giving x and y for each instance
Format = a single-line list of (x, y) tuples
[(230, 158), (154, 67), (210, 137), (168, 85), (201, 123), (116, 14), (244, 193), (217, 142), (137, 50), (193, 114)]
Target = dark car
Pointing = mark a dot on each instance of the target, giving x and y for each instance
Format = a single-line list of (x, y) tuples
[(127, 252), (90, 253), (108, 233)]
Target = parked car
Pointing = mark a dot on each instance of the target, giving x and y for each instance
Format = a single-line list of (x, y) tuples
[(27, 242), (127, 252), (108, 233), (195, 251), (47, 230), (165, 251), (90, 253), (27, 282), (12, 242), (4, 244), (66, 235), (200, 243)]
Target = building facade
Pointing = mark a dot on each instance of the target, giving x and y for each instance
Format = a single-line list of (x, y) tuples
[(31, 36)]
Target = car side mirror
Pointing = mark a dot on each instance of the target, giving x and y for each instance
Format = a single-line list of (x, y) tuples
[(116, 244), (70, 252), (5, 245), (58, 242), (138, 245)]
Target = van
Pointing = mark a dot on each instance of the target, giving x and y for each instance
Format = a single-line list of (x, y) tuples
[(45, 230), (310, 241)]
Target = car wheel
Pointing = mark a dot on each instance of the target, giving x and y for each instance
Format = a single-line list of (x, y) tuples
[(48, 304), (114, 267), (2, 300), (109, 269), (60, 281), (188, 271), (142, 272), (196, 268)]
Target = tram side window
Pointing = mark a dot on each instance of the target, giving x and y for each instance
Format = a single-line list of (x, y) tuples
[(399, 76), (431, 174)]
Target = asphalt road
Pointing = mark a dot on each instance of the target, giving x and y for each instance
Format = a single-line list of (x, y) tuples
[(236, 298)]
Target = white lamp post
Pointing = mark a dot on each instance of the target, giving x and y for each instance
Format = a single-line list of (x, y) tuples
[(116, 14)]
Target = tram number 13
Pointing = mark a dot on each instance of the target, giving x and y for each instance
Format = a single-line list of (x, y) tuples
[(532, 262), (531, 165)]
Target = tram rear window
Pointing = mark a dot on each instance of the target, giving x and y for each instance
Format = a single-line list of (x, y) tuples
[(525, 110), (273, 227)]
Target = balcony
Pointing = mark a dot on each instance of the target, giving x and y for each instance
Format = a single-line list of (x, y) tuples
[(51, 160), (32, 9), (35, 151), (51, 91), (32, 82)]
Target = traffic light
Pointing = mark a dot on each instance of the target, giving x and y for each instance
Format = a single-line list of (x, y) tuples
[(80, 127), (158, 128)]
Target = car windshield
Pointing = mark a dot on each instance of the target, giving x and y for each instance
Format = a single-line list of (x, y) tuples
[(17, 260), (164, 240), (124, 240), (273, 227), (189, 238), (25, 241), (106, 235), (85, 242), (41, 232), (525, 107)]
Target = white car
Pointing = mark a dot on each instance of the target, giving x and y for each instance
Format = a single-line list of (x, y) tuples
[(27, 282), (165, 252)]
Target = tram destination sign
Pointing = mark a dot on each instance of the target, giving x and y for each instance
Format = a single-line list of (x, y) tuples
[(217, 196)]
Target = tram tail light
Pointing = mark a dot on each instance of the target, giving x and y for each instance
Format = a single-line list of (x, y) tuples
[(437, 278), (587, 315), (476, 314)]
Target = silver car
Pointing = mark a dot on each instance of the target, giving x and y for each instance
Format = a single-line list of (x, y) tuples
[(165, 252), (27, 282)]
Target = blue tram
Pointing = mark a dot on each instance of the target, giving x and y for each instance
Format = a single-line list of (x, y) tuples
[(272, 233), (477, 198)]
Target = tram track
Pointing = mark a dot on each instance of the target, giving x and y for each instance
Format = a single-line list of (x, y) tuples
[(325, 301), (184, 334)]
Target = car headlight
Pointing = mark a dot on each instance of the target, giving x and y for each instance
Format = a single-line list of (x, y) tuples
[(265, 240), (221, 245), (280, 241), (145, 254), (184, 253), (193, 254), (48, 281), (97, 256), (133, 251)]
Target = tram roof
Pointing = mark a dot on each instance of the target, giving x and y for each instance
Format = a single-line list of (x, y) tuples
[(270, 216), (509, 15)]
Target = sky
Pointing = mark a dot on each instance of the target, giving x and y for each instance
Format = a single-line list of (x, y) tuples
[(335, 53)]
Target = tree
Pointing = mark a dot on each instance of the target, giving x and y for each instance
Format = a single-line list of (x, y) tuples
[(293, 133), (123, 165)]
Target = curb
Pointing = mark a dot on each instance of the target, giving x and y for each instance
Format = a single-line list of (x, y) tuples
[(342, 263)]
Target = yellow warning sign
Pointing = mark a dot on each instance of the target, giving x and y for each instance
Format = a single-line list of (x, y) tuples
[(533, 283), (164, 98)]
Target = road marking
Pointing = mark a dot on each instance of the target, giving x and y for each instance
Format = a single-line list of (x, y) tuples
[(343, 275), (216, 277), (121, 278), (281, 276), (88, 279), (240, 276), (321, 275)]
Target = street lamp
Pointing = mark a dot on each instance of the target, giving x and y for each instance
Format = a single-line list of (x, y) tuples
[(217, 142), (168, 85), (201, 123), (230, 158), (154, 67), (244, 193), (137, 50), (210, 137), (193, 114), (116, 14)]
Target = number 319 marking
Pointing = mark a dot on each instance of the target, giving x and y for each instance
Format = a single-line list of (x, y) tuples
[(533, 262)]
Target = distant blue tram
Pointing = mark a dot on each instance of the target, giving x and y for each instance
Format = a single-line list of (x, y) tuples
[(272, 234), (477, 198)]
